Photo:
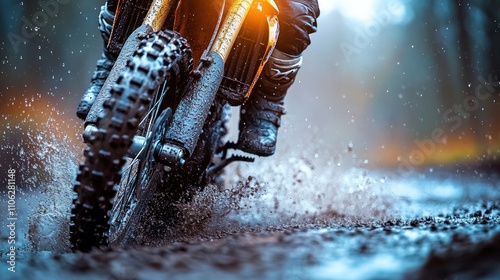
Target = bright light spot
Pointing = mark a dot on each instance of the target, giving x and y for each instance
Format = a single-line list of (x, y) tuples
[(326, 6), (362, 10), (367, 10)]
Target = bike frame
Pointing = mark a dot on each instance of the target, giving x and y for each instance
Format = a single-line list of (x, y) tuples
[(233, 22)]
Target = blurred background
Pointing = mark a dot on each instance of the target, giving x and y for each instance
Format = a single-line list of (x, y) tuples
[(404, 84)]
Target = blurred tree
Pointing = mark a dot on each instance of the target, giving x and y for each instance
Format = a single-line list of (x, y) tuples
[(491, 9), (464, 43), (436, 32)]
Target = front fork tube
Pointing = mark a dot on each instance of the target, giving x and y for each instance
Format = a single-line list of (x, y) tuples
[(194, 107), (191, 114)]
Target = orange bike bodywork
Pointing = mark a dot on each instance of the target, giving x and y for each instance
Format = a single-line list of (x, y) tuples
[(216, 27)]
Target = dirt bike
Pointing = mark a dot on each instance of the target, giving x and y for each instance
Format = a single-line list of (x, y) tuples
[(156, 130)]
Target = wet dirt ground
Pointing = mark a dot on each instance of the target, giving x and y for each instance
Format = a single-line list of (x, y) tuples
[(299, 220), (454, 248)]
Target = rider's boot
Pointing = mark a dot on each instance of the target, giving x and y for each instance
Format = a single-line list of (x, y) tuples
[(260, 116), (104, 64)]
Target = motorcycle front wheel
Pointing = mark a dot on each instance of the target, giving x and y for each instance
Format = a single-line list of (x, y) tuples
[(136, 106)]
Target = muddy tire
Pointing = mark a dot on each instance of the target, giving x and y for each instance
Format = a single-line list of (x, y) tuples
[(161, 56)]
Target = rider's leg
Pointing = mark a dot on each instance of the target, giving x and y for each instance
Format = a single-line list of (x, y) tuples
[(104, 64), (131, 15), (260, 116)]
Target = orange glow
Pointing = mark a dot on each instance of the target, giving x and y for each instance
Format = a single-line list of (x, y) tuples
[(463, 148)]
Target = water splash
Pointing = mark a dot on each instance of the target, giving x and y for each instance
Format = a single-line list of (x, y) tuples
[(302, 185), (300, 189), (39, 144)]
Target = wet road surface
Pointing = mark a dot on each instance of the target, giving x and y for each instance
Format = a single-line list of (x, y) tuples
[(299, 220)]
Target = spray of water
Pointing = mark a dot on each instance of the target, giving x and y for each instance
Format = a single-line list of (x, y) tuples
[(303, 185), (48, 225), (296, 188), (39, 143)]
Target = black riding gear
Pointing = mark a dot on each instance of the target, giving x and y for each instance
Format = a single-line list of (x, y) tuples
[(260, 116)]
